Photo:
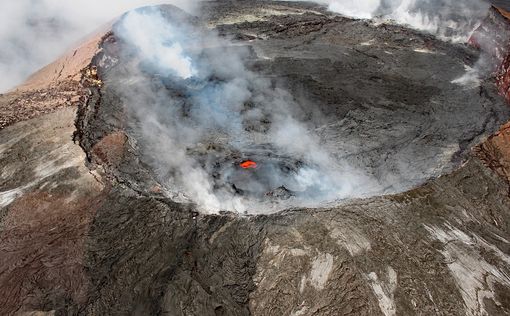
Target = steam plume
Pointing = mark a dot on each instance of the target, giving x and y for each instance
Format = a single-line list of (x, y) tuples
[(447, 19)]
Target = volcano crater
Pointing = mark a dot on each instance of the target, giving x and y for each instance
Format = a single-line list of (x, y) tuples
[(343, 114)]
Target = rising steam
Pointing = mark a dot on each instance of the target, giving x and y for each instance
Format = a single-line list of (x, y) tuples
[(448, 19), (197, 106)]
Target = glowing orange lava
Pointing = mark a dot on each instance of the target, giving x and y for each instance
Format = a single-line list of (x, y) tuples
[(248, 164)]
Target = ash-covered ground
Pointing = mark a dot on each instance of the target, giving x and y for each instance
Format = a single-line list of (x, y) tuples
[(134, 204)]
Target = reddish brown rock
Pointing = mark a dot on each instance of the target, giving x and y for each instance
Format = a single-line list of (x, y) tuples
[(503, 78), (43, 236), (46, 218), (110, 150), (495, 152)]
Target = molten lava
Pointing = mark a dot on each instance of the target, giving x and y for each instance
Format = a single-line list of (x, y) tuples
[(248, 164)]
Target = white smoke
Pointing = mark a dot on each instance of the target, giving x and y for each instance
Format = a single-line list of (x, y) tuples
[(492, 41), (33, 33), (222, 99), (169, 58), (354, 8), (448, 19), (471, 79)]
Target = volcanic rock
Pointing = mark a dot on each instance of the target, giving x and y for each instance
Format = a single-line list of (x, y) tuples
[(280, 193), (88, 228)]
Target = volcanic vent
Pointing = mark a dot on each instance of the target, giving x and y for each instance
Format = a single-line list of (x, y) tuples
[(240, 122)]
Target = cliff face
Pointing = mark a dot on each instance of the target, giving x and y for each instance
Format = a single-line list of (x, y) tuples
[(495, 152), (503, 72), (493, 38), (494, 34), (87, 229), (503, 78)]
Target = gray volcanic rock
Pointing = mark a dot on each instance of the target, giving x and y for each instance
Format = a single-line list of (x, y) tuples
[(88, 228)]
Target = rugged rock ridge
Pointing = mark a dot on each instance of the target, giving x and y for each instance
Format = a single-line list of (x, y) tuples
[(503, 72), (493, 37), (493, 33), (503, 78)]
